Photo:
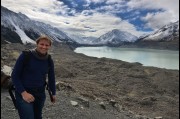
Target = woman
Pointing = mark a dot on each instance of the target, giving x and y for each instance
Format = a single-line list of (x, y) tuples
[(29, 80)]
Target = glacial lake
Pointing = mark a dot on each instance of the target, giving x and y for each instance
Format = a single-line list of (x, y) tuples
[(148, 57)]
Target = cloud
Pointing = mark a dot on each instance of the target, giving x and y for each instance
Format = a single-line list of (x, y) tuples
[(157, 20), (95, 1), (96, 17), (167, 11)]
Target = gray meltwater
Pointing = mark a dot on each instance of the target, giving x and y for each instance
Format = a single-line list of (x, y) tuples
[(148, 57)]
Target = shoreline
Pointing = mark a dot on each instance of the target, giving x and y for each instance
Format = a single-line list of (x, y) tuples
[(131, 46), (133, 49)]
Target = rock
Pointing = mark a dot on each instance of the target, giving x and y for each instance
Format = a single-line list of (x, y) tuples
[(158, 117), (5, 78), (102, 105), (74, 103), (63, 86), (6, 70), (83, 101), (148, 101), (9, 98), (112, 102), (58, 86)]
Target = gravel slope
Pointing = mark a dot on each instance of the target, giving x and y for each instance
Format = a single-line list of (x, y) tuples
[(113, 89)]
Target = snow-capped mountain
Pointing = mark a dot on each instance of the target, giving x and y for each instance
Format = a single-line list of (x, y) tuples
[(166, 37), (28, 30), (115, 37), (166, 33)]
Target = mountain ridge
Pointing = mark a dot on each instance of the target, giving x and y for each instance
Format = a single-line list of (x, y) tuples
[(115, 37), (28, 29), (166, 33)]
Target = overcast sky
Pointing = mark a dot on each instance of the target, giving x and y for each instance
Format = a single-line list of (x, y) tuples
[(96, 17)]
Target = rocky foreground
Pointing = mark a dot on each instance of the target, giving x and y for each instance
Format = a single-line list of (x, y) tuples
[(101, 88)]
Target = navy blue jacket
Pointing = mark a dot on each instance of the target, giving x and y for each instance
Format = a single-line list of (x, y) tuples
[(33, 75)]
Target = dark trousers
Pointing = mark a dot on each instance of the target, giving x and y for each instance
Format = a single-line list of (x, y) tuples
[(31, 110)]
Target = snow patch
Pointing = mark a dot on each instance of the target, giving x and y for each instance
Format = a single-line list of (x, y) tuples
[(25, 39)]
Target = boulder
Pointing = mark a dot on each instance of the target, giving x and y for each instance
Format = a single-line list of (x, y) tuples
[(6, 76)]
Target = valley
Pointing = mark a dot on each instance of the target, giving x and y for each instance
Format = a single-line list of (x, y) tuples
[(112, 88)]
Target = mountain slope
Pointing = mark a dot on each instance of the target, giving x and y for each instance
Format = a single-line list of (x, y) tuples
[(166, 33), (166, 37), (28, 29), (115, 37)]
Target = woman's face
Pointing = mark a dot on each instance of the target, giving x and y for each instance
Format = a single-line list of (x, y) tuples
[(43, 46)]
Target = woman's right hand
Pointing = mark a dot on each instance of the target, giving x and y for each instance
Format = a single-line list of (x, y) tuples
[(27, 97)]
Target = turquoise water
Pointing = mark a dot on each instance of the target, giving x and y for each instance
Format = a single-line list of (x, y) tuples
[(148, 57)]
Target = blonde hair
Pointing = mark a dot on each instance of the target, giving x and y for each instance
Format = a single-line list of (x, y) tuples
[(44, 37)]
